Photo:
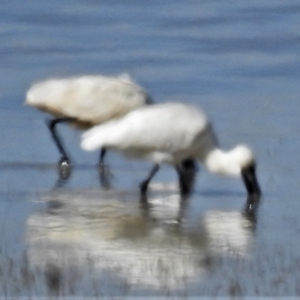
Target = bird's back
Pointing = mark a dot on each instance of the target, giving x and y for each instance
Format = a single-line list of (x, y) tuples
[(92, 99), (175, 128)]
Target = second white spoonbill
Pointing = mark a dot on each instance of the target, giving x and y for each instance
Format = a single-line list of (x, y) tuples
[(173, 133), (85, 102)]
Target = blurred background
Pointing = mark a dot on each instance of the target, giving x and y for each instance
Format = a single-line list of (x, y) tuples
[(239, 61)]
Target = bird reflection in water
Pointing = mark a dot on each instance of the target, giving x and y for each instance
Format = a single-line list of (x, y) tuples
[(64, 175), (104, 173), (105, 177), (232, 232), (152, 243)]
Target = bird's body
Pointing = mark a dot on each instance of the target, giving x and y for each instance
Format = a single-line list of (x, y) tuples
[(85, 101), (89, 100), (166, 133), (169, 133)]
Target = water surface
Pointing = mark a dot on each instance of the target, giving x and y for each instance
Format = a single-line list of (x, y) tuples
[(237, 60)]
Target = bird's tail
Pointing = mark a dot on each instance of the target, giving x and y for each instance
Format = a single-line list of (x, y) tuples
[(97, 137)]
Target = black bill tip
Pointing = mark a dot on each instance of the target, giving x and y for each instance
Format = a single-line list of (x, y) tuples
[(250, 180)]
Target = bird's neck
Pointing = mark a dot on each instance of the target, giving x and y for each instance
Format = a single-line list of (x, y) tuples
[(222, 162)]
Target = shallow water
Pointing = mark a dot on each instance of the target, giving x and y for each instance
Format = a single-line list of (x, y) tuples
[(90, 236)]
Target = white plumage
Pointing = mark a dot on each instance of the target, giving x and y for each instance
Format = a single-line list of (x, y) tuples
[(88, 99), (172, 133), (164, 133), (85, 101)]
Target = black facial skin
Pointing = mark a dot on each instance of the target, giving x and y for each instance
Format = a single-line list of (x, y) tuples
[(250, 180)]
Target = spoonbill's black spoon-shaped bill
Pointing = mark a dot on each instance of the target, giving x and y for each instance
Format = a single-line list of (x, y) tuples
[(176, 134), (85, 102)]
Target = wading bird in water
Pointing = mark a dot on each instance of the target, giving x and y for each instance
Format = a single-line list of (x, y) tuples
[(84, 102), (176, 134)]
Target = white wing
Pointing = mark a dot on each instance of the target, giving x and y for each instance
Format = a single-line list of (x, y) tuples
[(170, 128), (94, 99)]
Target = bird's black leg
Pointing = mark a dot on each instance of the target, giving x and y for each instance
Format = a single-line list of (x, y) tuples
[(64, 160), (102, 154), (186, 174), (183, 184), (144, 184), (104, 172), (189, 164)]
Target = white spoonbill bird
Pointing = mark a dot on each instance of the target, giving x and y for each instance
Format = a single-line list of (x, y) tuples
[(85, 102), (173, 133)]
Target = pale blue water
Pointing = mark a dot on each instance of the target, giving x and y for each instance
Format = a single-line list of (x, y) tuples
[(239, 60)]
